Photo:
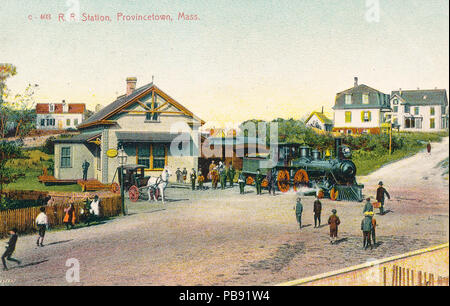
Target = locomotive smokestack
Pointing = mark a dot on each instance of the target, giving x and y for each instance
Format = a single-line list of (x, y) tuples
[(337, 145), (356, 81)]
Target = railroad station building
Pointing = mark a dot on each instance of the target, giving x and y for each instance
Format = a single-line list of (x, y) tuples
[(153, 129)]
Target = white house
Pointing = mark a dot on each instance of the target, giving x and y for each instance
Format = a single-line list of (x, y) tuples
[(420, 110), (153, 129), (59, 116), (360, 109)]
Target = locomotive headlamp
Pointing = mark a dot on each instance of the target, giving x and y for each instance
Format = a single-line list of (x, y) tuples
[(347, 152)]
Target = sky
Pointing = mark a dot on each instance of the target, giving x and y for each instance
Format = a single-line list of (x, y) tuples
[(240, 60)]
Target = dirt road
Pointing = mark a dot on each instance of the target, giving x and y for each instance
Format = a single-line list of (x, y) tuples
[(223, 238)]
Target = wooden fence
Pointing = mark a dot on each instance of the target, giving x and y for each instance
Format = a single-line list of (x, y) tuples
[(402, 276), (24, 218)]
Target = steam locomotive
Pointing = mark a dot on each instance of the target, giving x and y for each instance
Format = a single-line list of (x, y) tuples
[(298, 165)]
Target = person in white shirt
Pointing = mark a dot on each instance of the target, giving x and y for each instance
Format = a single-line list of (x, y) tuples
[(95, 207), (41, 223)]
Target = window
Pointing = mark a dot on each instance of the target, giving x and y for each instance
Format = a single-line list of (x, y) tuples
[(365, 98), (152, 156), (395, 120), (159, 156), (143, 155), (366, 116), (416, 111), (395, 101), (75, 122), (158, 101), (432, 123), (51, 108), (348, 117), (396, 109), (68, 122), (407, 109), (65, 157), (431, 111), (42, 122), (418, 123), (348, 99)]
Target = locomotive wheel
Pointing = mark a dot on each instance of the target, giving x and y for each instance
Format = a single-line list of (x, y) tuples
[(264, 183), (334, 194), (320, 194), (115, 188), (300, 178), (283, 180), (249, 180), (133, 193)]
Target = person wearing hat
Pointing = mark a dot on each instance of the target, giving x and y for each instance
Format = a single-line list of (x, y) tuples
[(241, 181), (317, 209), (381, 191), (334, 222), (366, 227), (368, 206), (298, 212), (258, 181), (193, 178)]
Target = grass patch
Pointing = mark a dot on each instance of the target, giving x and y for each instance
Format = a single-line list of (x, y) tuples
[(411, 143), (32, 167)]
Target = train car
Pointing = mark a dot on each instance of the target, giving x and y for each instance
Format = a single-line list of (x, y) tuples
[(297, 165)]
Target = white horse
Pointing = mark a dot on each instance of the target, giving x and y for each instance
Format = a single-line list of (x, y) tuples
[(159, 183)]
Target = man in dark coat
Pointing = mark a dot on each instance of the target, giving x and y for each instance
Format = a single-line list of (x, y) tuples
[(317, 211), (270, 177), (299, 211), (429, 147), (10, 248), (381, 191), (85, 167), (231, 173), (366, 227), (178, 174), (193, 178), (258, 181)]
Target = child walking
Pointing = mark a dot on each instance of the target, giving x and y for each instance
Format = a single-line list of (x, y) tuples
[(41, 223), (334, 222), (10, 248)]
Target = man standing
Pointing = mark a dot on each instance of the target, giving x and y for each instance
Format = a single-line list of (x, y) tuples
[(231, 174), (380, 196), (241, 181), (184, 173), (366, 227), (41, 223), (222, 175), (334, 222), (85, 167), (258, 181), (270, 177), (10, 247), (298, 212), (178, 174), (317, 211), (193, 178), (429, 147), (200, 179)]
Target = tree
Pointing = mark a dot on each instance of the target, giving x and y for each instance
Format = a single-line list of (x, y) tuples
[(6, 71), (9, 150)]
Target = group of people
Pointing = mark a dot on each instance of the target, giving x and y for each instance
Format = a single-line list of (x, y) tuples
[(91, 212), (368, 224)]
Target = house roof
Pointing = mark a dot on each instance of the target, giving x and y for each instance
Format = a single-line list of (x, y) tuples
[(377, 99), (73, 108), (121, 102), (322, 117), (423, 97), (79, 138)]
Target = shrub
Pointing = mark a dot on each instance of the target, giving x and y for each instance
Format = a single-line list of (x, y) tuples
[(49, 145)]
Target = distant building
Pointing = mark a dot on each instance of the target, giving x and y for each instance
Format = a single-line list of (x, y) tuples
[(319, 121), (59, 116), (420, 110), (360, 109)]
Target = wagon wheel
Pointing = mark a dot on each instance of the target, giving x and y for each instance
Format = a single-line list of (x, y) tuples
[(300, 178), (334, 194), (249, 180), (264, 183), (115, 188), (320, 194), (133, 193), (283, 180)]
